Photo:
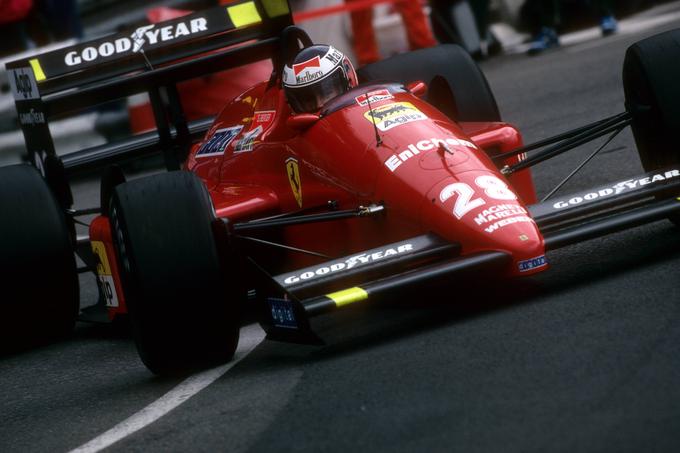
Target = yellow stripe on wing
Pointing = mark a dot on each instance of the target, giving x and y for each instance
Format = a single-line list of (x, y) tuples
[(37, 70), (348, 296), (244, 14)]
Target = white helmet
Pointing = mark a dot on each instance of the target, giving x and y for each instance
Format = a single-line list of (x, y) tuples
[(316, 75)]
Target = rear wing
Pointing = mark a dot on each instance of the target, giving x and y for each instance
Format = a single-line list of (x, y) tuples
[(150, 59)]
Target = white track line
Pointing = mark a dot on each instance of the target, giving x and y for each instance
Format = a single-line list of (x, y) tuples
[(250, 337)]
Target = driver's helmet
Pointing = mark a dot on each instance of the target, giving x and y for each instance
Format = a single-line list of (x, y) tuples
[(316, 75)]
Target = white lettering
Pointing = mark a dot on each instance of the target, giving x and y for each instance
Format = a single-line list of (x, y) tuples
[(393, 162), (166, 33), (349, 263), (199, 24), (424, 145), (152, 35), (182, 30), (405, 155), (89, 54), (142, 36), (72, 59), (123, 45), (107, 49)]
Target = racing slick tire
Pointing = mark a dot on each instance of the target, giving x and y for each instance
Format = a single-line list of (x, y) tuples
[(40, 290), (651, 71), (456, 85), (183, 302)]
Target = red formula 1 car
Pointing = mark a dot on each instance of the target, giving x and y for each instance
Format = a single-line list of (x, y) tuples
[(408, 178)]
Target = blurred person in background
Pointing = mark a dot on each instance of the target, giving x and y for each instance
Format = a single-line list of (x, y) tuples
[(13, 14), (466, 23), (417, 30), (547, 18), (61, 17)]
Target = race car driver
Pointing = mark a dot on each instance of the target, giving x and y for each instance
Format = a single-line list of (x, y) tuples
[(316, 75)]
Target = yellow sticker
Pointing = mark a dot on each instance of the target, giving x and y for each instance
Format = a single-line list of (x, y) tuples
[(99, 249), (392, 115), (244, 14), (293, 172), (37, 70), (348, 296), (276, 8)]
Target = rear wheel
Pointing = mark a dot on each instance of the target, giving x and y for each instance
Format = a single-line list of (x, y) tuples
[(651, 71), (37, 265), (457, 86), (183, 300)]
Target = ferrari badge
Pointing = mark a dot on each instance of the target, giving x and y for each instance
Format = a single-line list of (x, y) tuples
[(294, 178)]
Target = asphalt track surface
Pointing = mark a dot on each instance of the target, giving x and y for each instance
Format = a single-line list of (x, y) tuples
[(585, 357)]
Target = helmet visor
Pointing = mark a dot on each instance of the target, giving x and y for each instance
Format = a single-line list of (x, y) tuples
[(310, 98)]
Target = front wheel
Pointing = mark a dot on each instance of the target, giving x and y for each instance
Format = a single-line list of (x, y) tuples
[(183, 301), (651, 72), (457, 86)]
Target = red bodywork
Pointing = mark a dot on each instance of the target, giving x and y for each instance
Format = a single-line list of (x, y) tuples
[(430, 173)]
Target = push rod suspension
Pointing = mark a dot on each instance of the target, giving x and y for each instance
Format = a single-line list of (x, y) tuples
[(567, 145), (312, 218), (561, 137)]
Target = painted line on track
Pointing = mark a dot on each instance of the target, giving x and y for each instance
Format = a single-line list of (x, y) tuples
[(251, 336)]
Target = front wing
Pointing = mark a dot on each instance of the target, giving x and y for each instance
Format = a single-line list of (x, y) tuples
[(288, 302)]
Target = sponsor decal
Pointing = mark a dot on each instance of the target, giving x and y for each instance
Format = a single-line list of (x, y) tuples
[(373, 97), (313, 69), (23, 85), (334, 56), (523, 237), (219, 141), (308, 71), (293, 172), (148, 35), (509, 221), (104, 274), (392, 115), (493, 217), (616, 189), (498, 212), (532, 263), (313, 63), (32, 118), (264, 118), (282, 313), (395, 160), (350, 263), (247, 141)]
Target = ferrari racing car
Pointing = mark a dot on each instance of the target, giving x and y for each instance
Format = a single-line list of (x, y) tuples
[(317, 189)]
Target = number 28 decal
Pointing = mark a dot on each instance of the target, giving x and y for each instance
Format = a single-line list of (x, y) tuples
[(492, 186)]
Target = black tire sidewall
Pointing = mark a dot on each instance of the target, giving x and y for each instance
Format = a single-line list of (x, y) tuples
[(182, 302), (651, 75), (472, 97), (40, 281)]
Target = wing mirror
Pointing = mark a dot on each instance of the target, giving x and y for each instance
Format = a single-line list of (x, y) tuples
[(418, 88), (302, 121)]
